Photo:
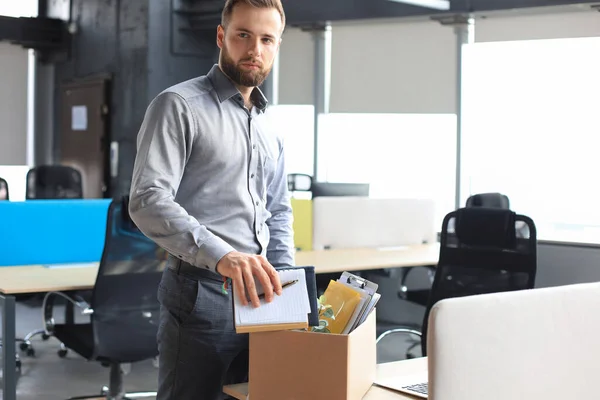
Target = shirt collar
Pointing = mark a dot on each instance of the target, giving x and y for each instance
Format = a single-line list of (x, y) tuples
[(226, 89)]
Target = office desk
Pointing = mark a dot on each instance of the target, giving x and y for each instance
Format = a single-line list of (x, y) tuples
[(340, 260), (31, 279), (39, 279), (395, 369)]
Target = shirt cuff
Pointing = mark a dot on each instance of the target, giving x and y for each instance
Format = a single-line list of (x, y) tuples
[(211, 253)]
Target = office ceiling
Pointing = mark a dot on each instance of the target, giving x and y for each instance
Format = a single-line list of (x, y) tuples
[(301, 12)]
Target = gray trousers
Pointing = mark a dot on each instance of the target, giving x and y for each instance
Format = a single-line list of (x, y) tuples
[(199, 351)]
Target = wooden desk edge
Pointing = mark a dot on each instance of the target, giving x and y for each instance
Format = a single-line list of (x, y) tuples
[(239, 390)]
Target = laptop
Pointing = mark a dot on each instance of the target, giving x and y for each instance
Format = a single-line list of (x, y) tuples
[(530, 344)]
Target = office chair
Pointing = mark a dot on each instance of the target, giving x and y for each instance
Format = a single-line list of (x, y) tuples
[(50, 182), (3, 189), (483, 254), (421, 296), (124, 309), (54, 182)]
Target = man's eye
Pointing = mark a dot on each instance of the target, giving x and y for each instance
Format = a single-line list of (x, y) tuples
[(243, 35), (267, 40)]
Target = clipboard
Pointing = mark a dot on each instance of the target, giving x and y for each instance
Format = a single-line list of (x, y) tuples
[(368, 291)]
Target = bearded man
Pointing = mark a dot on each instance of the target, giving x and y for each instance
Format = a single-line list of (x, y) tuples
[(209, 186)]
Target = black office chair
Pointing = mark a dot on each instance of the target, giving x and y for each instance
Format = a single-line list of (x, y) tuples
[(481, 255), (124, 309), (54, 182), (421, 296), (4, 195), (50, 182)]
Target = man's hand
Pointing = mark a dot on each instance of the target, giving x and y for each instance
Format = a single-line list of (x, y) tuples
[(242, 268)]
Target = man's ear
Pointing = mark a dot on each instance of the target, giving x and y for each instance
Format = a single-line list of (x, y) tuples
[(220, 36)]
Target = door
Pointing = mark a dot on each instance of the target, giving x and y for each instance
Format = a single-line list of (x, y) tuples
[(83, 139)]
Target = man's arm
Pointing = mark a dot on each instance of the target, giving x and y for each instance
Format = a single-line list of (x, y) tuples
[(163, 147), (280, 251)]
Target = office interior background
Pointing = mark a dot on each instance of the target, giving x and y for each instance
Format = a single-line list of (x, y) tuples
[(529, 98), (524, 88)]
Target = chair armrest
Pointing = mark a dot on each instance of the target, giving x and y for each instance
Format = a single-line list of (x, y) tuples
[(48, 308)]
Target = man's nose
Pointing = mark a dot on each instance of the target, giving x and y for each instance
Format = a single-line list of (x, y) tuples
[(254, 50)]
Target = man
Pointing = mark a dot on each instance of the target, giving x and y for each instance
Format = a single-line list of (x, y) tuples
[(209, 187)]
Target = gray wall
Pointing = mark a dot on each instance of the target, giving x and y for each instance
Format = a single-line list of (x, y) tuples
[(13, 104), (564, 264)]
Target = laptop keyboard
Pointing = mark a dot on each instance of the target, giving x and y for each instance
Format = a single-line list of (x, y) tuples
[(419, 388)]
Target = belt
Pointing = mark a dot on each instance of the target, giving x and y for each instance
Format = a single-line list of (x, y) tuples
[(184, 268)]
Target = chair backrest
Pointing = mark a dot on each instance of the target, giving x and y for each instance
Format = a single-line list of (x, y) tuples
[(3, 189), (491, 200), (126, 308), (483, 255), (54, 182)]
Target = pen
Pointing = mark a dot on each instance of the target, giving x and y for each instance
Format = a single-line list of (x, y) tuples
[(290, 283)]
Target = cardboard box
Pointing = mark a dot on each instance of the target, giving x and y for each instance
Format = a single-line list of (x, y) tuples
[(297, 365)]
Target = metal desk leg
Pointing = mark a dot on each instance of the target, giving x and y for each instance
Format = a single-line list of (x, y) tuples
[(9, 367), (69, 314)]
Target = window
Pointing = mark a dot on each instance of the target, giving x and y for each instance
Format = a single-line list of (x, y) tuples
[(295, 123), (399, 155), (16, 178), (21, 8), (531, 131)]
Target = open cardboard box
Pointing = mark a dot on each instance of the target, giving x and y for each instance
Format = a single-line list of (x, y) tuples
[(302, 365)]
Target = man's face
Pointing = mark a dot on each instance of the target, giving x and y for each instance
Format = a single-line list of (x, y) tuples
[(249, 44)]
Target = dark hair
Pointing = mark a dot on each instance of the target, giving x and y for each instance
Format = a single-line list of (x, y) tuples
[(230, 4)]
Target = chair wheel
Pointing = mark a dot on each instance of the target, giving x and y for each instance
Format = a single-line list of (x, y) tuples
[(23, 346), (62, 353), (30, 352), (45, 336)]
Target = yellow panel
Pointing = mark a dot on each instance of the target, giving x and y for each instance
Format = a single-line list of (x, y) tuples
[(303, 223)]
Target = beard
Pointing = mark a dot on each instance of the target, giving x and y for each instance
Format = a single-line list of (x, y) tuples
[(239, 76)]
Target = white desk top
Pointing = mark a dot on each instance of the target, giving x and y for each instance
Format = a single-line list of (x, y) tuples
[(38, 278)]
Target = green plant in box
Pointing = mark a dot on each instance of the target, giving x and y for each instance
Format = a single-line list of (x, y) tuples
[(325, 313)]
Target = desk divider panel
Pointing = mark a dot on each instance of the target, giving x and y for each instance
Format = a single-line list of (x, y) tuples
[(354, 222), (52, 231)]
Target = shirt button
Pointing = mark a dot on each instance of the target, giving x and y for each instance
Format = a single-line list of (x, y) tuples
[(256, 203), (251, 175), (254, 146)]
